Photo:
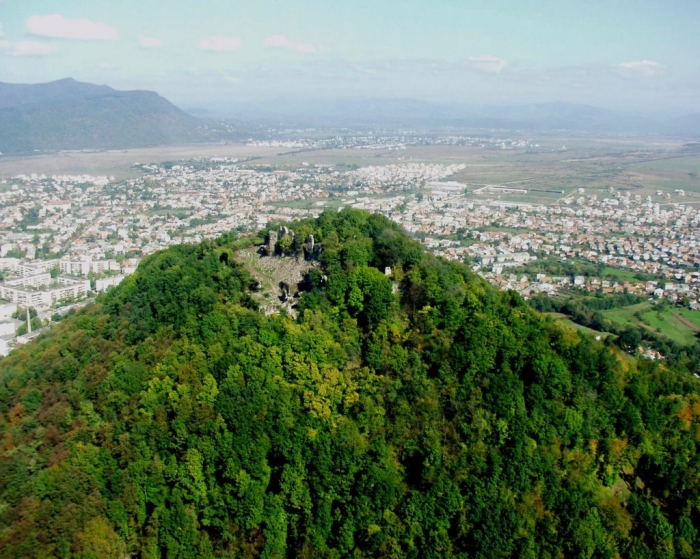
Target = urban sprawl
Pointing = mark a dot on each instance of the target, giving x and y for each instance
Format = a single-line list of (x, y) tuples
[(65, 238)]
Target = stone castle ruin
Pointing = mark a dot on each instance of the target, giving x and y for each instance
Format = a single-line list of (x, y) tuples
[(271, 242), (278, 282), (311, 249)]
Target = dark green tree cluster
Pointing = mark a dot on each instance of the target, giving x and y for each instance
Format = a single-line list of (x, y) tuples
[(421, 414)]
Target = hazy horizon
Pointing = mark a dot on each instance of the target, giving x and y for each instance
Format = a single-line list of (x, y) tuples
[(632, 56)]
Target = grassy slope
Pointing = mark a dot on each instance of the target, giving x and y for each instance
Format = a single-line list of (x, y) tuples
[(681, 330), (564, 319)]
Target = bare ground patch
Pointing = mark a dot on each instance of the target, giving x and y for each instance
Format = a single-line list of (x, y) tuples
[(271, 272)]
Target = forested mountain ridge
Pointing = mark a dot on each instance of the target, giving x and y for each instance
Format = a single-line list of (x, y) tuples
[(70, 115), (422, 415)]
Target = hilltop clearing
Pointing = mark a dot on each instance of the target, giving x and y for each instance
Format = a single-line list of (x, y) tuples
[(277, 278)]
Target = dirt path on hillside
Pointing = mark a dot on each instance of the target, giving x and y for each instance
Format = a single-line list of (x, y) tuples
[(687, 322)]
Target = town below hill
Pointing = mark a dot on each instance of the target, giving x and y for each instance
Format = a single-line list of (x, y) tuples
[(630, 231)]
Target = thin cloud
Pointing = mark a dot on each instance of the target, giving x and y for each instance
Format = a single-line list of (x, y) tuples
[(150, 42), (280, 41), (219, 43), (2, 33), (488, 64), (56, 26), (641, 68), (27, 48)]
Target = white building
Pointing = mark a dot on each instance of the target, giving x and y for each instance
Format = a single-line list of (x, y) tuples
[(8, 327), (38, 280), (9, 264), (106, 283), (101, 266), (85, 266), (506, 259), (68, 288), (59, 206), (74, 267), (29, 336), (36, 267), (5, 346), (6, 310)]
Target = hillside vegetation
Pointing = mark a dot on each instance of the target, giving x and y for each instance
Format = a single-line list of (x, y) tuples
[(669, 329), (419, 415)]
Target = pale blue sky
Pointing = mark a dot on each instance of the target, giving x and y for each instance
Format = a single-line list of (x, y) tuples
[(639, 54)]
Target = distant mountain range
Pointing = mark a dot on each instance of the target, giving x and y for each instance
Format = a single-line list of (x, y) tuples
[(688, 125), (70, 115), (545, 117)]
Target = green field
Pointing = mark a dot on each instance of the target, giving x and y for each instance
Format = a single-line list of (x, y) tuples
[(622, 275), (679, 325), (170, 212), (565, 320), (626, 314)]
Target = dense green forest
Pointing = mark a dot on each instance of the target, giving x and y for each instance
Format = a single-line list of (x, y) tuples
[(419, 415)]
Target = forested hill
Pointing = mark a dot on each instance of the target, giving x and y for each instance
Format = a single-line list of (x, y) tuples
[(70, 115), (419, 415)]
